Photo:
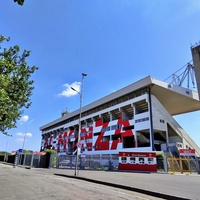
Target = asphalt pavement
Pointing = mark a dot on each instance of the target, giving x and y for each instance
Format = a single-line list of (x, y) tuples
[(162, 185), (32, 184)]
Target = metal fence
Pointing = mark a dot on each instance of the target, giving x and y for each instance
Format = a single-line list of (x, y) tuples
[(102, 162), (97, 162), (183, 164), (34, 160)]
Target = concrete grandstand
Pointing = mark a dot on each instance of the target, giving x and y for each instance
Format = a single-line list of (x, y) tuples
[(138, 117)]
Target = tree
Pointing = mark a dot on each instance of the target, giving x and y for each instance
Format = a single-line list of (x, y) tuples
[(15, 85), (20, 2)]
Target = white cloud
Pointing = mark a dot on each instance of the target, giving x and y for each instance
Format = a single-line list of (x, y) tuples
[(29, 135), (24, 118), (22, 134), (20, 138), (68, 91)]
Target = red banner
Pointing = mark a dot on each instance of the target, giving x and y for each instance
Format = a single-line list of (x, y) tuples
[(187, 152)]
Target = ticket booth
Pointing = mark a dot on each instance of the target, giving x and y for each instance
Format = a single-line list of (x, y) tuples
[(138, 161)]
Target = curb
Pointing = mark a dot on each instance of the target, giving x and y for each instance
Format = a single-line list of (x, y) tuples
[(150, 193)]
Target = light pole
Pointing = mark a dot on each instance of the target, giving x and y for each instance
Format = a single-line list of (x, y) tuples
[(5, 156), (79, 124), (20, 160), (24, 137)]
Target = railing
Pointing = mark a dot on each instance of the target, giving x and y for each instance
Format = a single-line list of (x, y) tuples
[(184, 165)]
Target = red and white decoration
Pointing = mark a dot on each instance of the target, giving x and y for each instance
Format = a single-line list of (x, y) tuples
[(138, 161)]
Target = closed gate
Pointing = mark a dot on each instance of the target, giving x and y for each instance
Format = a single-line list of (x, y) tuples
[(178, 165)]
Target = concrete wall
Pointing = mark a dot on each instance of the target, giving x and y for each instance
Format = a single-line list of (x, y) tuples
[(160, 112)]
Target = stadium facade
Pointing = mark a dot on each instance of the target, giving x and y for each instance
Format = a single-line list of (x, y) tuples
[(136, 118)]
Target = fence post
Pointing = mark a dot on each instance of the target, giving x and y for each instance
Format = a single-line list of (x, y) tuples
[(189, 165), (181, 164), (198, 166), (57, 160), (173, 165), (32, 156), (24, 161), (51, 160), (165, 164)]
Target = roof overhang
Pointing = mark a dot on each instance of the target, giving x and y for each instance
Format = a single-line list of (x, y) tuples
[(175, 99)]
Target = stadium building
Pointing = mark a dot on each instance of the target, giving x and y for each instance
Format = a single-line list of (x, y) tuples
[(136, 118)]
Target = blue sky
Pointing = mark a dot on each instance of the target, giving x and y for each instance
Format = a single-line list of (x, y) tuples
[(115, 42)]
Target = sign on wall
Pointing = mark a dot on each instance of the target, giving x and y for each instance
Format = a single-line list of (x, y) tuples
[(187, 152)]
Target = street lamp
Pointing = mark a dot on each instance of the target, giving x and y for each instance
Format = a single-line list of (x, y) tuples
[(24, 137), (20, 158), (79, 124), (5, 156)]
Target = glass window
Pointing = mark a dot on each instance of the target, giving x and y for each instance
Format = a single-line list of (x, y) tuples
[(106, 138), (150, 160), (141, 160), (98, 133), (108, 128), (116, 137), (82, 134), (113, 127), (132, 160), (123, 159)]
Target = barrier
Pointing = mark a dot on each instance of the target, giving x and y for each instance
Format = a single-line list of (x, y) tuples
[(179, 165)]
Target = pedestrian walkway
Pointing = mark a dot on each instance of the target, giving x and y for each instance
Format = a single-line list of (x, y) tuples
[(164, 186)]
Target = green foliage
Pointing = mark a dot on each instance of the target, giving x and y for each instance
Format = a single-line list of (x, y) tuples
[(27, 152), (20, 2), (50, 151), (54, 153), (2, 153), (160, 155), (15, 85)]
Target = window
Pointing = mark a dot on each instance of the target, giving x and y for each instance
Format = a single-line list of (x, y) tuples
[(128, 128), (106, 138), (141, 160), (105, 129), (115, 127), (98, 133), (123, 159), (141, 120), (116, 137), (132, 160), (82, 134), (150, 160), (71, 137)]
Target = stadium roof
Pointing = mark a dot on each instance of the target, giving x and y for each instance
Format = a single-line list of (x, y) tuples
[(176, 99)]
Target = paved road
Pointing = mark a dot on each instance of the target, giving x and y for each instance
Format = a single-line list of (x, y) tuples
[(33, 184), (180, 185)]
